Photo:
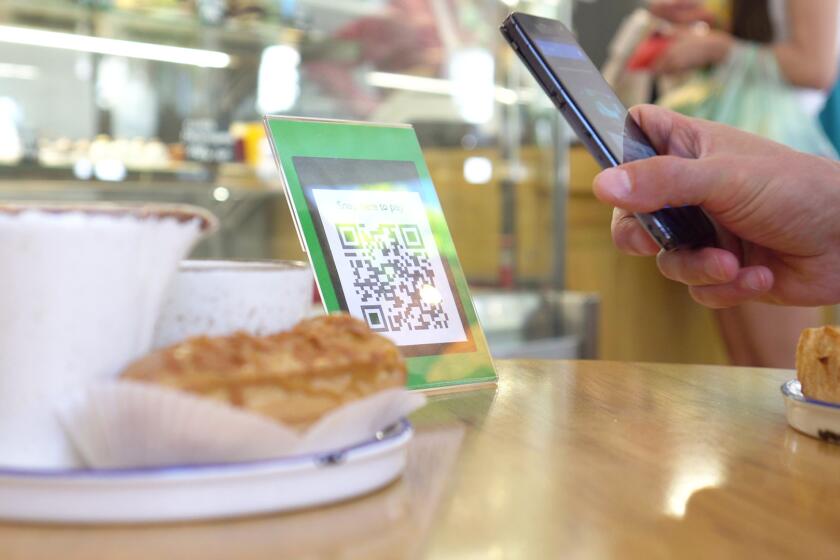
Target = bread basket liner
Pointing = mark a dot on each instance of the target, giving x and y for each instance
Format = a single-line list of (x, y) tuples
[(125, 424)]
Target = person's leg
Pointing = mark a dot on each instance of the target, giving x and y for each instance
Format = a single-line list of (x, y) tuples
[(762, 335)]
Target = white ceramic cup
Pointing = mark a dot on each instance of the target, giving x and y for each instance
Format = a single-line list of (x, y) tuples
[(80, 289), (217, 298)]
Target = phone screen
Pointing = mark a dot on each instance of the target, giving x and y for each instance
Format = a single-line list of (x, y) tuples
[(552, 54), (611, 122)]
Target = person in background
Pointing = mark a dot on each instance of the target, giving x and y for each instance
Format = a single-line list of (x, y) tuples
[(400, 37), (803, 37), (802, 34)]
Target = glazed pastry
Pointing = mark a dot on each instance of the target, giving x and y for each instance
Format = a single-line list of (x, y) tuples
[(818, 363), (294, 377)]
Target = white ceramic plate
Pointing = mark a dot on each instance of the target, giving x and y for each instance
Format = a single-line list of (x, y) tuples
[(815, 418), (205, 491)]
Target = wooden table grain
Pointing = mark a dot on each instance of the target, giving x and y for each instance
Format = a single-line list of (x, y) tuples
[(562, 459)]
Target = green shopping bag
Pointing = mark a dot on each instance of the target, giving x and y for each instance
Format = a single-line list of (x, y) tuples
[(747, 91)]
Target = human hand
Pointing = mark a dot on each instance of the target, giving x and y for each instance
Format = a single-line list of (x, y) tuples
[(690, 49), (776, 210)]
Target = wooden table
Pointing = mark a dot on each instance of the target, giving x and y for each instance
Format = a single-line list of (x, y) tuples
[(571, 459)]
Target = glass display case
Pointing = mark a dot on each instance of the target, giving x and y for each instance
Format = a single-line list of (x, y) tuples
[(163, 100)]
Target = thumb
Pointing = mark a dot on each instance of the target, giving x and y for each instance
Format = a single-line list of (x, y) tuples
[(654, 183)]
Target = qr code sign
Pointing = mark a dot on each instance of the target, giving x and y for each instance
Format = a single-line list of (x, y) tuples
[(388, 265), (393, 277)]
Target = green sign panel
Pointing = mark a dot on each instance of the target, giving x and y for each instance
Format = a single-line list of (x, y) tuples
[(369, 218)]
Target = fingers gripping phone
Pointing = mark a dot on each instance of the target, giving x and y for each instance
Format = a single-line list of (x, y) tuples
[(602, 123)]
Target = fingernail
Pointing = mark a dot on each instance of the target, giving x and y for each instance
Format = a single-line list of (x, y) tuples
[(615, 182), (714, 270), (755, 281)]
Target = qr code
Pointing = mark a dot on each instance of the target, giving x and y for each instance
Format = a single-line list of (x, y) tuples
[(393, 277)]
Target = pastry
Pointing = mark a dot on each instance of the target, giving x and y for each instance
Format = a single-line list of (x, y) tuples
[(818, 363), (294, 377)]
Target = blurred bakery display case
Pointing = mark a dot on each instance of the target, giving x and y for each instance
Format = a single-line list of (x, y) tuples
[(162, 100)]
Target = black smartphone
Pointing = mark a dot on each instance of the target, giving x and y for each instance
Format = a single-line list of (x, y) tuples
[(599, 119)]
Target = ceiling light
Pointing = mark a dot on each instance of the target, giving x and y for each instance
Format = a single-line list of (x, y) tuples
[(116, 47), (408, 82), (422, 84), (221, 194), (278, 80), (471, 72), (18, 71), (478, 170)]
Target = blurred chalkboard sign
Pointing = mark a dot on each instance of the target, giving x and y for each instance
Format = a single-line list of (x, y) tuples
[(204, 141)]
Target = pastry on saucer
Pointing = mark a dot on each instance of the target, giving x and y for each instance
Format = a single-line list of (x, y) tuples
[(294, 377), (818, 363)]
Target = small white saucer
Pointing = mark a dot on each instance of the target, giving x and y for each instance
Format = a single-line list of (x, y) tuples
[(204, 491), (816, 418)]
